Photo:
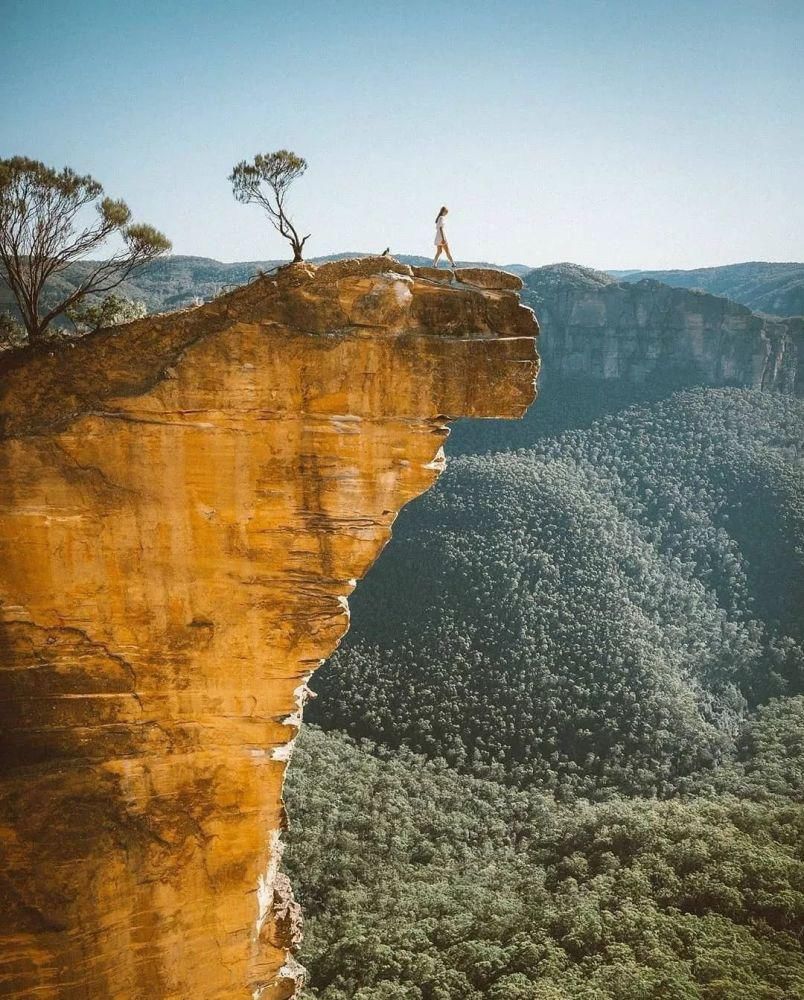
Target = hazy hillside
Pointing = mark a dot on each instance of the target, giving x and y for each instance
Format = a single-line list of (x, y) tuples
[(777, 289), (172, 282)]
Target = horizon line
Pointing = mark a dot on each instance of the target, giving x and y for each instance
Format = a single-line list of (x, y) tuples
[(475, 261)]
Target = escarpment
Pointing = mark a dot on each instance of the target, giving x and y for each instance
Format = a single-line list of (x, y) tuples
[(601, 329), (186, 503)]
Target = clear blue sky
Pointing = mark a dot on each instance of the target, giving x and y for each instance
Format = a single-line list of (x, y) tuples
[(653, 133)]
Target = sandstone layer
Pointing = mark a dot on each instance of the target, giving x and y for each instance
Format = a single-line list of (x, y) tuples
[(598, 328), (186, 503)]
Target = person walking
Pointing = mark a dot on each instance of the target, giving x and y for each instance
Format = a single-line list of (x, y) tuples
[(441, 244)]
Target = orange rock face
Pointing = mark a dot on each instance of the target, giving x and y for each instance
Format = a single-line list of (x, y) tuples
[(185, 506)]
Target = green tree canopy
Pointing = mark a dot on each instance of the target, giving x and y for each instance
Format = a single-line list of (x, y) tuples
[(109, 311), (419, 882)]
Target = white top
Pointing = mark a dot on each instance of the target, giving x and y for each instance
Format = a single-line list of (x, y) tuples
[(440, 235)]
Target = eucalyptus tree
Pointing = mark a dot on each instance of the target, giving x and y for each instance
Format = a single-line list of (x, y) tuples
[(265, 182), (50, 219)]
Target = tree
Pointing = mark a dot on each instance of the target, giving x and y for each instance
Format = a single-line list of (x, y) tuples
[(110, 311), (265, 182), (46, 223)]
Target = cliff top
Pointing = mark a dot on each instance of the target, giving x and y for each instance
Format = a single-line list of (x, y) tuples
[(50, 385)]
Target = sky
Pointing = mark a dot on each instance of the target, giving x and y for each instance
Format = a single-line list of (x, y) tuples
[(611, 133)]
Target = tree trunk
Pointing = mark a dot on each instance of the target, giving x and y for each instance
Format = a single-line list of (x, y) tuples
[(36, 332)]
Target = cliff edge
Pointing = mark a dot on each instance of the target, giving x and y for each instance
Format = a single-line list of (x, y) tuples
[(186, 503)]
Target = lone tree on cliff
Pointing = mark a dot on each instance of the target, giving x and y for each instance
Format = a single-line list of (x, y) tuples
[(47, 222), (265, 182)]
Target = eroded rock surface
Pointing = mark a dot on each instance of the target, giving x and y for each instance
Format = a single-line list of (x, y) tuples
[(598, 328), (185, 505)]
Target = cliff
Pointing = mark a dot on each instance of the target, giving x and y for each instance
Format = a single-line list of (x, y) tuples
[(775, 288), (599, 328), (186, 503)]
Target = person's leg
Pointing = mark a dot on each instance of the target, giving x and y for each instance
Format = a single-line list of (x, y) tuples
[(449, 255), (439, 248)]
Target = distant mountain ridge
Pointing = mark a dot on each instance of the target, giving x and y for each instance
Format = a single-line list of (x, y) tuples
[(177, 281), (632, 330), (773, 288)]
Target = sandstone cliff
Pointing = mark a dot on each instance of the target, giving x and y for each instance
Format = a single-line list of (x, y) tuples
[(185, 505), (598, 328)]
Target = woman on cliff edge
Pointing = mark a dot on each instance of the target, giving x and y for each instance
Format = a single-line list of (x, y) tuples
[(441, 238)]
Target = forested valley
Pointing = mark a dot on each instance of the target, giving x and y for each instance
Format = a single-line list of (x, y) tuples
[(594, 614), (563, 743), (419, 882)]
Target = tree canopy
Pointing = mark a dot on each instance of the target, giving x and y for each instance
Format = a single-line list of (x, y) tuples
[(110, 311), (51, 218), (265, 182), (597, 613), (419, 883)]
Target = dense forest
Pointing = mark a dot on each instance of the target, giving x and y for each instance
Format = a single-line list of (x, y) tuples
[(421, 884), (595, 614), (567, 726)]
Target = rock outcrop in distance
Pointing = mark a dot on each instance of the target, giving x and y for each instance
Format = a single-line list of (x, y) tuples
[(186, 503), (596, 327)]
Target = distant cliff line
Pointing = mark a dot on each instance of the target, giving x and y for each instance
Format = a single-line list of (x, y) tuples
[(776, 289), (597, 328)]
